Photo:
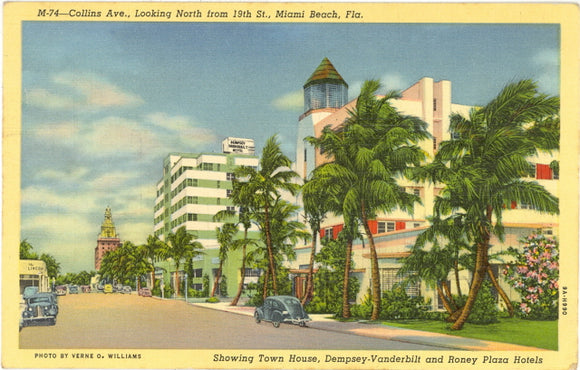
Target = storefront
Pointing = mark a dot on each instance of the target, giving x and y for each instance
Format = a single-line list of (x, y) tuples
[(34, 273)]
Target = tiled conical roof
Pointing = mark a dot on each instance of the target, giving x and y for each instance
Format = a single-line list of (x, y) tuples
[(325, 73)]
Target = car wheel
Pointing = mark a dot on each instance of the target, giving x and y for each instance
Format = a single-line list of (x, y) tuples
[(302, 324), (257, 317), (276, 321)]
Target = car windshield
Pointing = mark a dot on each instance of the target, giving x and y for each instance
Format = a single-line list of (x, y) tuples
[(37, 300)]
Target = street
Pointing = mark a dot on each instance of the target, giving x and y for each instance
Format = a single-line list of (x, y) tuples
[(96, 320)]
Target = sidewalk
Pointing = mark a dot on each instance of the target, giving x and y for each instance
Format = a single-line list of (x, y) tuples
[(323, 322)]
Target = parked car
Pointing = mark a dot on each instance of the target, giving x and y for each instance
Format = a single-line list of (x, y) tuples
[(60, 290), (278, 309), (108, 288), (145, 292), (85, 288), (73, 289), (40, 308), (127, 289), (29, 290), (117, 288)]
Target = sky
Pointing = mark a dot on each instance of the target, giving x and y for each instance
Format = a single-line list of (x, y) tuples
[(104, 103)]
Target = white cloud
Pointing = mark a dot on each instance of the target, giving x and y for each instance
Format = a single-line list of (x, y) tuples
[(70, 238), (393, 81), (46, 99), (547, 57), (44, 197), (61, 132), (75, 174), (97, 91), (111, 180), (291, 101), (548, 60), (164, 120)]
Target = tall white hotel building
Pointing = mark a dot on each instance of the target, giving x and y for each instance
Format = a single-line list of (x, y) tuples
[(326, 104), (194, 187)]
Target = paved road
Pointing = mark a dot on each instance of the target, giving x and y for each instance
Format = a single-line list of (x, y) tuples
[(106, 321)]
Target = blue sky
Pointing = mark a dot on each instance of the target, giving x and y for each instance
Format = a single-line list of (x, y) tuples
[(104, 103)]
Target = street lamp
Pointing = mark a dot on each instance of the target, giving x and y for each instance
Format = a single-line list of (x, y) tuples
[(186, 287)]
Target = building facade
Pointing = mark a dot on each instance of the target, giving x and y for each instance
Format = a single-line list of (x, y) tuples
[(395, 233), (107, 240), (194, 187)]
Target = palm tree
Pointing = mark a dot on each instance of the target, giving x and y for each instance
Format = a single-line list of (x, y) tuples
[(368, 153), (265, 185), (182, 245), (244, 200), (225, 237), (485, 165), (154, 248), (315, 208)]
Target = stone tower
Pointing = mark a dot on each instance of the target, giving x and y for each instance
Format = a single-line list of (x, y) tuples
[(108, 239)]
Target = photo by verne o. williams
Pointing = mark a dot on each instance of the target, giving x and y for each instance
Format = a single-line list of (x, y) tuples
[(290, 185)]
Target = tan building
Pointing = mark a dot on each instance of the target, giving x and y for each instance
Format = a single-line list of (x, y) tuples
[(108, 239)]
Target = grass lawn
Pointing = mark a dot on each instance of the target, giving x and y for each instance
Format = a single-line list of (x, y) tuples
[(541, 334)]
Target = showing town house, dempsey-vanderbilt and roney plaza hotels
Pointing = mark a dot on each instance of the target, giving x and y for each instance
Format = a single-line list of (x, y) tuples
[(290, 186)]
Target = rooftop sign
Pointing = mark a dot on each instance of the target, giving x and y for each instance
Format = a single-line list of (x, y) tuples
[(238, 145)]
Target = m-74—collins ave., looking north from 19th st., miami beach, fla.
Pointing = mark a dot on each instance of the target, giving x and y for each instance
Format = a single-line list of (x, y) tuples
[(141, 14)]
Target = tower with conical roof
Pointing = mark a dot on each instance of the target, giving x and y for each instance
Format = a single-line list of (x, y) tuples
[(325, 92), (108, 239), (325, 89)]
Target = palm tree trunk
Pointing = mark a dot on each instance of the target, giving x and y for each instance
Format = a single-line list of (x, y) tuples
[(217, 279), (481, 265), (456, 270), (448, 294), (243, 273), (375, 280), (501, 292), (443, 299), (265, 288), (176, 280), (270, 249), (346, 280), (309, 279)]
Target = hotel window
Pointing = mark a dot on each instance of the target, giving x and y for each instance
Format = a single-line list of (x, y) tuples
[(328, 233), (197, 273), (385, 226), (191, 217), (230, 176), (229, 193), (416, 225), (390, 278), (231, 208), (253, 272)]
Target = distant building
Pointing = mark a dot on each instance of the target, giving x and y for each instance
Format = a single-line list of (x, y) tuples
[(34, 273), (194, 187), (108, 239)]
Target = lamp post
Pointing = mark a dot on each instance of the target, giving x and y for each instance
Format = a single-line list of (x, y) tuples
[(186, 287)]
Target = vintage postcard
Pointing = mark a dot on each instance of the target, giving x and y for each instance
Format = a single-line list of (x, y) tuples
[(268, 185)]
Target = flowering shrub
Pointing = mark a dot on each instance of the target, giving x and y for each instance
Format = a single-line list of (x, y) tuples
[(534, 274)]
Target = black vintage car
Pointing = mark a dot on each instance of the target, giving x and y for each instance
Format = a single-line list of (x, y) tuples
[(41, 308), (282, 308)]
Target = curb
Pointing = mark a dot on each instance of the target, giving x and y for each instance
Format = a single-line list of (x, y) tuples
[(374, 331)]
